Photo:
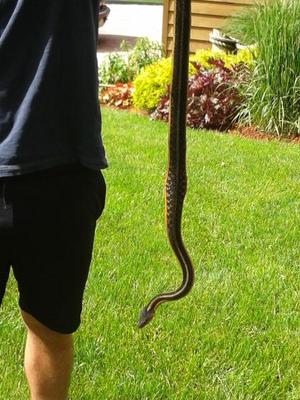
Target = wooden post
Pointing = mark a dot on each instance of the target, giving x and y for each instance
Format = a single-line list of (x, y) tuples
[(166, 7)]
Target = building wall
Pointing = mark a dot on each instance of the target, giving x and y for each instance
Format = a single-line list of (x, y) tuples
[(206, 15)]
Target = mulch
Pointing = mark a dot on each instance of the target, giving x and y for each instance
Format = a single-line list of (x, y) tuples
[(252, 132)]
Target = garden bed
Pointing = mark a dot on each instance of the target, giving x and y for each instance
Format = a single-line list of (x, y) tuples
[(247, 89)]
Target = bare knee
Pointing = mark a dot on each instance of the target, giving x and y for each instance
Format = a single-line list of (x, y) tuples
[(49, 337), (48, 360)]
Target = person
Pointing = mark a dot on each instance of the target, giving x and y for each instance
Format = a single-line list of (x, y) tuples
[(52, 190)]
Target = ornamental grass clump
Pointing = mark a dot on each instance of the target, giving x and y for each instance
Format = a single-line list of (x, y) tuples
[(272, 95), (212, 96)]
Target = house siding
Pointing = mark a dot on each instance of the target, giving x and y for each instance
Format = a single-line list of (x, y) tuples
[(206, 15)]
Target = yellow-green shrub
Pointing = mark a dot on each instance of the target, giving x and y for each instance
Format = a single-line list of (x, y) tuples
[(202, 56), (151, 83)]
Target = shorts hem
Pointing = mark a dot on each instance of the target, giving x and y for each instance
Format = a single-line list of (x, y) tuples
[(49, 324)]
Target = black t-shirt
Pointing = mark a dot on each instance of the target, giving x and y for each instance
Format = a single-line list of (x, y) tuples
[(49, 107)]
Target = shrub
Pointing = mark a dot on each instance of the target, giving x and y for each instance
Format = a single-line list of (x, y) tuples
[(203, 56), (212, 97), (151, 84), (272, 95)]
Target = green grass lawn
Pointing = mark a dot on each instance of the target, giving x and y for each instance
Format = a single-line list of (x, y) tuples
[(237, 335)]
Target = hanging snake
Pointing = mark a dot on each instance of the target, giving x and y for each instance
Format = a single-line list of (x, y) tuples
[(176, 180)]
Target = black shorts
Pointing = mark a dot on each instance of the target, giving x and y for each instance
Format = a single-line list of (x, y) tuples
[(47, 226)]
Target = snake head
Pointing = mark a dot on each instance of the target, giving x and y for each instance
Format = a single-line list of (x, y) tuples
[(145, 317)]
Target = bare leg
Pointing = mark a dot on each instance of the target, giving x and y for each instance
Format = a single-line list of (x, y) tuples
[(48, 361)]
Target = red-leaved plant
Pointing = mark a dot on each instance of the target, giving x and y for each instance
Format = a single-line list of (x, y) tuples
[(212, 96), (119, 95)]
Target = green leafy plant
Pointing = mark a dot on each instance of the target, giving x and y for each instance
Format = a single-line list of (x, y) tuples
[(124, 67), (144, 53), (113, 69)]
